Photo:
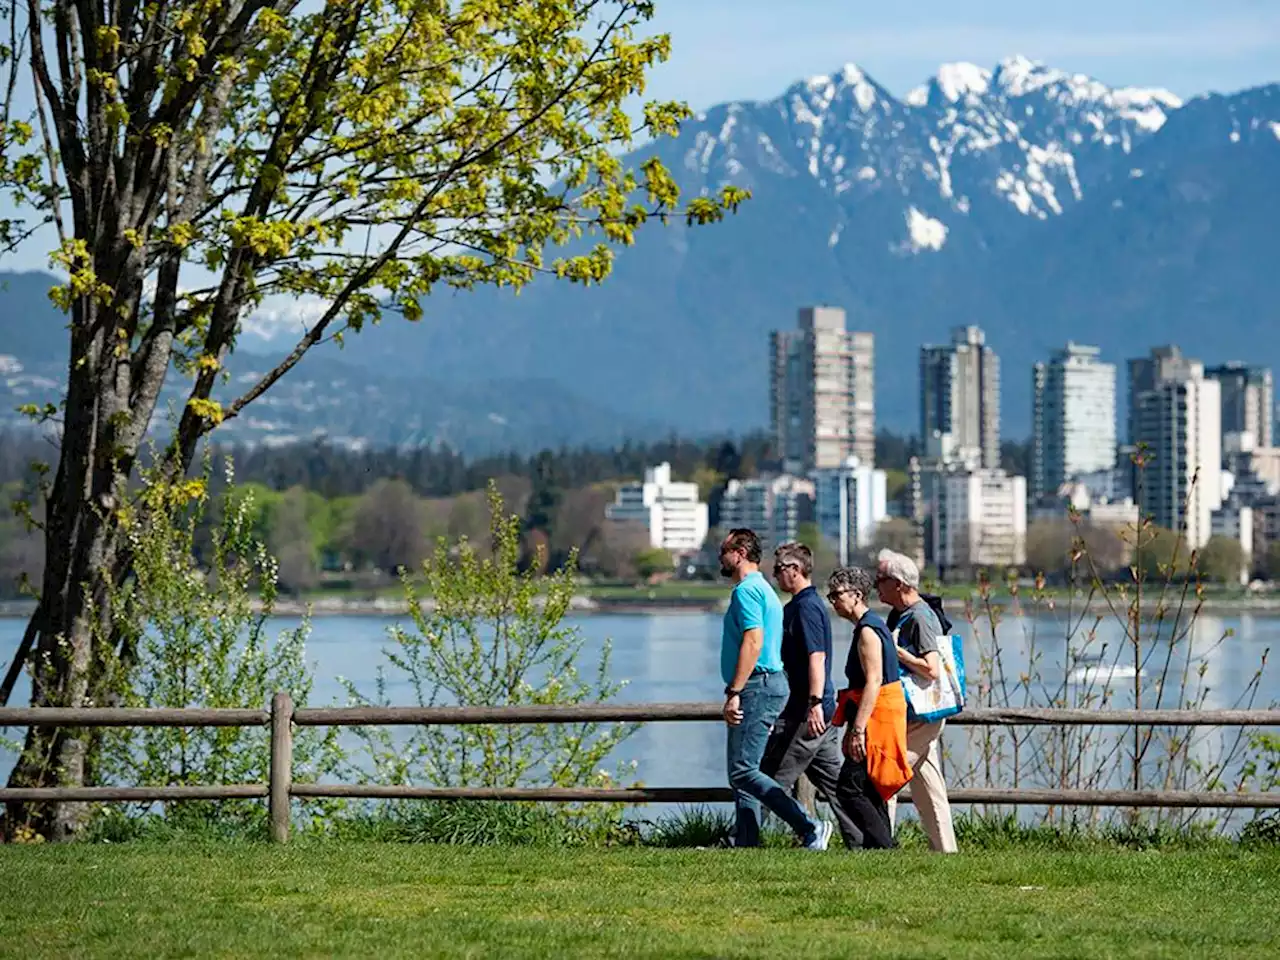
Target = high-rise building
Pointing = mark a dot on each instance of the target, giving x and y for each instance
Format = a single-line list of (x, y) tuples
[(960, 399), (671, 511), (1178, 427), (1165, 363), (1074, 419), (1248, 404), (773, 507), (822, 396), (849, 503)]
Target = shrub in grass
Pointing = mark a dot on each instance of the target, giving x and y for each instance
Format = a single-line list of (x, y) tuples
[(488, 629), (699, 826), (703, 826), (198, 634), (1261, 832), (119, 825)]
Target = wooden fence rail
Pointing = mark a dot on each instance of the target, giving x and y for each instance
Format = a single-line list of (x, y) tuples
[(280, 789)]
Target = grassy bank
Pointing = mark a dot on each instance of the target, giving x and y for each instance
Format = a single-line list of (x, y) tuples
[(358, 899)]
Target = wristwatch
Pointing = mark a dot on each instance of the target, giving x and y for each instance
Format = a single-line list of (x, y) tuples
[(730, 692), (815, 701)]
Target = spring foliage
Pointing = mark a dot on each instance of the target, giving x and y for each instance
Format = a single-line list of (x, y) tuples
[(198, 637), (489, 632)]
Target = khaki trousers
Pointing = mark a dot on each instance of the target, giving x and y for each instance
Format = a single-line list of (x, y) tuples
[(928, 789)]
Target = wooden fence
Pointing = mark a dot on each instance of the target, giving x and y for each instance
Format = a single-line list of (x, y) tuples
[(282, 717)]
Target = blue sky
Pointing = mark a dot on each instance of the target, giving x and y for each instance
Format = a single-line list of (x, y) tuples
[(752, 49)]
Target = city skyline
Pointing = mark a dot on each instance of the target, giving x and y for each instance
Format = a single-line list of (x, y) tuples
[(1207, 432)]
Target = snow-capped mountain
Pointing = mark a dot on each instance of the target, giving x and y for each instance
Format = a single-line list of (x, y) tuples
[(1040, 204), (971, 149)]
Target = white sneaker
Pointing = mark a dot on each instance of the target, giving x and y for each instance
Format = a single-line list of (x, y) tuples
[(822, 836)]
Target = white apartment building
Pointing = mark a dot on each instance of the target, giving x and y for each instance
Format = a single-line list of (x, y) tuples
[(1236, 523), (746, 503), (773, 507), (973, 518), (672, 513), (822, 392), (849, 503), (1180, 421), (1074, 418)]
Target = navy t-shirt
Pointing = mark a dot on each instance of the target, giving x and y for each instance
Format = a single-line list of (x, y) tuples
[(806, 629), (889, 670)]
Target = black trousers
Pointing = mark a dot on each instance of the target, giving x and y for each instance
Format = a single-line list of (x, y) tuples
[(792, 753), (862, 801)]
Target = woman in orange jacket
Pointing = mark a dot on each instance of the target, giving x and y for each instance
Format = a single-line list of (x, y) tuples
[(875, 709)]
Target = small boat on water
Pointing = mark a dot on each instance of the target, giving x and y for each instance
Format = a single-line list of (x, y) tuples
[(1092, 671)]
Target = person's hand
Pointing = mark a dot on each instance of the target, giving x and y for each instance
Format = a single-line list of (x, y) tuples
[(817, 721), (733, 710), (855, 745)]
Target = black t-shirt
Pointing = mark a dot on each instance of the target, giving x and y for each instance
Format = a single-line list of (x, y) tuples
[(889, 670), (806, 629)]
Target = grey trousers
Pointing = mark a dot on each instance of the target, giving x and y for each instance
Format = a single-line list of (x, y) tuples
[(791, 752)]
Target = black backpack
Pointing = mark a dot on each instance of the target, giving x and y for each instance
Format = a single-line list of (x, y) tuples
[(935, 603)]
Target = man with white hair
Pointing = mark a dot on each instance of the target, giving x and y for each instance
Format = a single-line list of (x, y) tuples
[(919, 631)]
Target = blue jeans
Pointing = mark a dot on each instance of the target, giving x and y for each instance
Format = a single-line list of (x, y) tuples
[(762, 701)]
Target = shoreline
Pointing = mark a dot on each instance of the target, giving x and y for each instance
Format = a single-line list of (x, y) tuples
[(651, 605)]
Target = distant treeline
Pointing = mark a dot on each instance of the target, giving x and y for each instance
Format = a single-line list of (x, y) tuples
[(441, 472), (322, 508), (335, 471)]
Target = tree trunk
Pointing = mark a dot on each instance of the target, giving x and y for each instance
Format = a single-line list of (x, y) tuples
[(73, 652)]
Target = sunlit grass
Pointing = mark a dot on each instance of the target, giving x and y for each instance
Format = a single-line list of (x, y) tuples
[(392, 900)]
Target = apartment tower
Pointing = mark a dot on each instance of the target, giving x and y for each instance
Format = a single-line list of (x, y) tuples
[(1248, 404), (822, 392), (960, 400), (1074, 418), (1177, 421)]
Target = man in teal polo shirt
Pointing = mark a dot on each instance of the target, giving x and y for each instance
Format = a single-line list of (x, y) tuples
[(755, 692)]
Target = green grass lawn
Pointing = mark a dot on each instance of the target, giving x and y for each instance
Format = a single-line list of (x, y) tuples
[(387, 900)]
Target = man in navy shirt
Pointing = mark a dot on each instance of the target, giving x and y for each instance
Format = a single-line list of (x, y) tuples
[(803, 740)]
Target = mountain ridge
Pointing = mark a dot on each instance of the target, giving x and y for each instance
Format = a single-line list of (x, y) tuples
[(1040, 204)]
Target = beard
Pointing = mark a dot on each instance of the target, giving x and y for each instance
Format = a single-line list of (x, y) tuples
[(726, 570)]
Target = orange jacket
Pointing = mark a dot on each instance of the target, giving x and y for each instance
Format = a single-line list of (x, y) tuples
[(887, 764)]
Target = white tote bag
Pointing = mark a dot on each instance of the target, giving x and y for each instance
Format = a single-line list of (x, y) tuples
[(932, 700)]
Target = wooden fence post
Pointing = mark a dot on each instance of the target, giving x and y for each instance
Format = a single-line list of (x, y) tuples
[(807, 796), (281, 774)]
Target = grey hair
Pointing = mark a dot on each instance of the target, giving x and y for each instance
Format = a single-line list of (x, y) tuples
[(852, 578), (796, 553), (900, 567)]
